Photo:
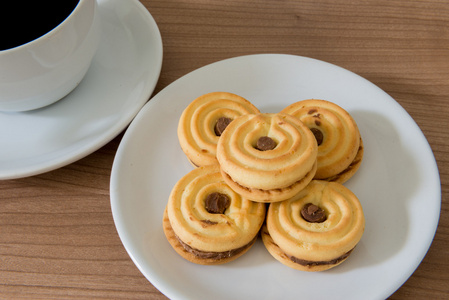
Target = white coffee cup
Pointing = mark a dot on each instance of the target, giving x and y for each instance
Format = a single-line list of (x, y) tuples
[(42, 71)]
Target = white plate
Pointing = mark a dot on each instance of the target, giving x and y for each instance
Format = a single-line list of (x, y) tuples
[(397, 183), (123, 74)]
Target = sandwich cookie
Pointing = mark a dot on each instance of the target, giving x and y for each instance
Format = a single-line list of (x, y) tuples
[(203, 121), (206, 222), (340, 146), (317, 229), (267, 157)]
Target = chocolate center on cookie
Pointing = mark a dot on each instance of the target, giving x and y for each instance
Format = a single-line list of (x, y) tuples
[(217, 203), (313, 214), (221, 125), (318, 135), (265, 143)]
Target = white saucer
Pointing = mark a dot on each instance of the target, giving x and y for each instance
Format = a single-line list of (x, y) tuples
[(122, 77), (398, 185)]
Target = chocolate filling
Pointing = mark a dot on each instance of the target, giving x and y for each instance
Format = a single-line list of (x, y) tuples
[(217, 203), (193, 163), (268, 191), (318, 135), (313, 214), (208, 222), (221, 125), (310, 263), (215, 255), (265, 143), (349, 168)]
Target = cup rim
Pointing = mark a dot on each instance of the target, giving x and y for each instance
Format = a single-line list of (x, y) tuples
[(44, 36)]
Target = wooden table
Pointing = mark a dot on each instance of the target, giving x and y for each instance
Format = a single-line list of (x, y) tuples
[(57, 235)]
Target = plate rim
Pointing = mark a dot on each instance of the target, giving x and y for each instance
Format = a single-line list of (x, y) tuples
[(166, 288)]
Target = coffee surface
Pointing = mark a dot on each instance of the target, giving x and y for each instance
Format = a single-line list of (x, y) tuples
[(24, 21)]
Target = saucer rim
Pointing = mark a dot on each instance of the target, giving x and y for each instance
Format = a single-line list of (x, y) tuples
[(63, 156)]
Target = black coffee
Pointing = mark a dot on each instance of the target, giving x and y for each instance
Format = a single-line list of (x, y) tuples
[(23, 21)]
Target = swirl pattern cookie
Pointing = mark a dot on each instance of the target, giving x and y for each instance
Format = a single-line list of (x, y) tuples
[(340, 147), (315, 230), (267, 157), (203, 121), (206, 222)]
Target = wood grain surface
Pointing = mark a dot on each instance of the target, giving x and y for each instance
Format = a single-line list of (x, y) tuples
[(57, 235)]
